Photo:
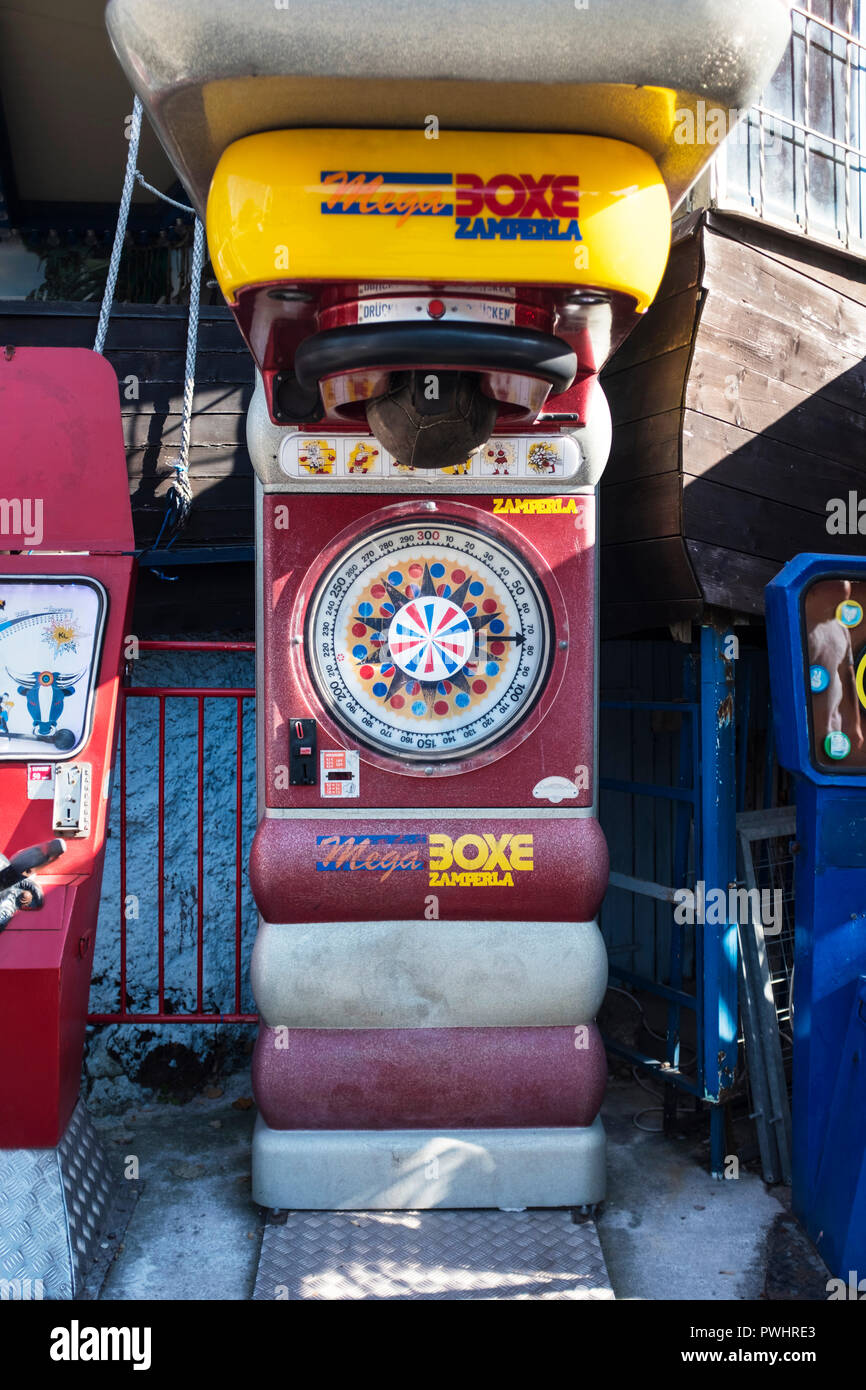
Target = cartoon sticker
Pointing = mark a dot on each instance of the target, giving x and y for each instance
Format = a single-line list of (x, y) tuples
[(317, 457), (364, 458), (499, 458), (361, 457), (545, 457), (837, 745), (849, 613)]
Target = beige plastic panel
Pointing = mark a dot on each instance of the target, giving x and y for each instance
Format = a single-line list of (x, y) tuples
[(416, 1169), (212, 71), (421, 974), (592, 440)]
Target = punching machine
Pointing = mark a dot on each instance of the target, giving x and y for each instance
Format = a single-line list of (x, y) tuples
[(433, 223)]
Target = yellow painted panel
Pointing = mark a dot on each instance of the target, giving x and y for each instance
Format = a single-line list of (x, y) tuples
[(481, 208)]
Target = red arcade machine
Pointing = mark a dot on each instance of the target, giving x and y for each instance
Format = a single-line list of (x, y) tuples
[(65, 593), (430, 271)]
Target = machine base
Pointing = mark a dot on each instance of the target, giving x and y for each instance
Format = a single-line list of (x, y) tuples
[(453, 1255), (416, 1169), (53, 1204)]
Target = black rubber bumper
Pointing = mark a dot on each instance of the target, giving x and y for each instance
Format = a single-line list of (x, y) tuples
[(459, 346)]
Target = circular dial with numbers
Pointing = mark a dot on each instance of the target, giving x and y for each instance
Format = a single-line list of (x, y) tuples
[(429, 641)]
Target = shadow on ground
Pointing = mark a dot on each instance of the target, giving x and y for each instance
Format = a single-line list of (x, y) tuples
[(667, 1229)]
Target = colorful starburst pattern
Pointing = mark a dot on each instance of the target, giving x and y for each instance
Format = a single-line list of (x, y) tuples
[(61, 634), (435, 639)]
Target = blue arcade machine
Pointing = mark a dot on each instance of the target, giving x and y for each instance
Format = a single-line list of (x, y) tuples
[(816, 628)]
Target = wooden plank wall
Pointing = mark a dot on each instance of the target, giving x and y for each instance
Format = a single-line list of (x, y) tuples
[(739, 408), (646, 578), (149, 344), (775, 407)]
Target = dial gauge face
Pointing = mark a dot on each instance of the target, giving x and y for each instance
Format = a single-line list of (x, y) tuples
[(429, 642), (50, 635)]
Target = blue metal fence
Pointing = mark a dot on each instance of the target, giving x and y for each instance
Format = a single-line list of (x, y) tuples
[(684, 744)]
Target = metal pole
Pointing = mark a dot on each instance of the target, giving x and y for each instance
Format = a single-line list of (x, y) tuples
[(718, 870)]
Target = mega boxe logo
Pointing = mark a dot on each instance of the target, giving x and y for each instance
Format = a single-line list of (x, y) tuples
[(470, 861), (509, 207)]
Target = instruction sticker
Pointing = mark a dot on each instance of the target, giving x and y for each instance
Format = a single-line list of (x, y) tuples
[(338, 772), (40, 781)]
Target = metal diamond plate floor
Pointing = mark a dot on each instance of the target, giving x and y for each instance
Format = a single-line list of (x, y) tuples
[(53, 1204), (489, 1255)]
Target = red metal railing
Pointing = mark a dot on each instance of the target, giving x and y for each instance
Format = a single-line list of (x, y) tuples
[(198, 693)]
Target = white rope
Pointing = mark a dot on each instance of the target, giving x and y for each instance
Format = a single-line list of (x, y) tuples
[(184, 207), (120, 229), (180, 492)]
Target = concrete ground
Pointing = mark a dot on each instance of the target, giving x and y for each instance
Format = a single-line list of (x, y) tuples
[(667, 1229), (194, 1231)]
